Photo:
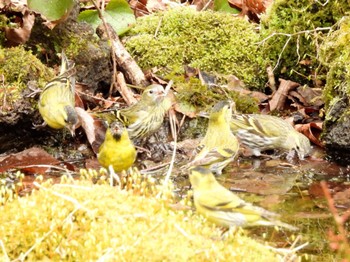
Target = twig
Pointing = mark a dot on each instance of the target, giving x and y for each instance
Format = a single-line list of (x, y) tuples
[(289, 38), (207, 5), (339, 220), (144, 171), (39, 241), (4, 251), (297, 33), (158, 27), (65, 197), (167, 177), (124, 90), (182, 231)]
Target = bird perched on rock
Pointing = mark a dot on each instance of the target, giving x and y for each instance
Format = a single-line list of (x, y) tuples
[(219, 146), (117, 150), (222, 207), (57, 100), (264, 132), (146, 116)]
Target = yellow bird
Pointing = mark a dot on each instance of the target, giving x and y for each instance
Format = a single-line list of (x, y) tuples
[(222, 207), (146, 116), (219, 146), (57, 101), (117, 150), (264, 132)]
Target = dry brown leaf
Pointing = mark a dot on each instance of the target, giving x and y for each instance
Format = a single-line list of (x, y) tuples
[(278, 100), (92, 164), (155, 5), (312, 131), (21, 34), (235, 84), (139, 7), (251, 8), (263, 183), (311, 96), (340, 193), (94, 128), (28, 161)]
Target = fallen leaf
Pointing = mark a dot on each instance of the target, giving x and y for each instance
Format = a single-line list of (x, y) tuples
[(92, 164), (251, 8), (312, 131), (155, 5), (139, 7), (21, 34), (185, 108), (279, 97), (94, 128), (261, 182), (29, 161), (311, 96)]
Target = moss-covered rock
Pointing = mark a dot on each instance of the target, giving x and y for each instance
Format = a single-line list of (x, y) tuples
[(90, 54), (298, 50), (335, 54), (19, 69), (211, 41)]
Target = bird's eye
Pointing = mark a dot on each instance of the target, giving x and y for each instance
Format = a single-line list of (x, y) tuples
[(150, 92)]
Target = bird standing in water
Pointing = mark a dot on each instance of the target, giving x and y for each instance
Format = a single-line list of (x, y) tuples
[(222, 207), (219, 146), (264, 132)]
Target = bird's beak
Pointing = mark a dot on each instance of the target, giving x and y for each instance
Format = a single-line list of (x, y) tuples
[(161, 93), (71, 130)]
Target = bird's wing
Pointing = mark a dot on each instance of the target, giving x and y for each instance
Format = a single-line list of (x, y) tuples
[(253, 124), (208, 157), (221, 199), (218, 198)]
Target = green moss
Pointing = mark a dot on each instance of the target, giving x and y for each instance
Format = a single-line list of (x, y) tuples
[(82, 221), (18, 67), (335, 54), (21, 66), (211, 41), (203, 97), (292, 17)]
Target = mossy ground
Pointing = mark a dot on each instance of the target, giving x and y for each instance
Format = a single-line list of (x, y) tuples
[(211, 41), (18, 67), (80, 221), (297, 52)]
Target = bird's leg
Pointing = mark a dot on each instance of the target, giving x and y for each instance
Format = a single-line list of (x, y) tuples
[(228, 231), (35, 90), (39, 126), (112, 175)]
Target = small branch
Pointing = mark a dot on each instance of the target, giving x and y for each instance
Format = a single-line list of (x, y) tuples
[(132, 72), (7, 259), (289, 38), (65, 197), (124, 90), (339, 221), (297, 33)]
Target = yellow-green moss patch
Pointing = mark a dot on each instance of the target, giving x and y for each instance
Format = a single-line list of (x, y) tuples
[(81, 221)]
